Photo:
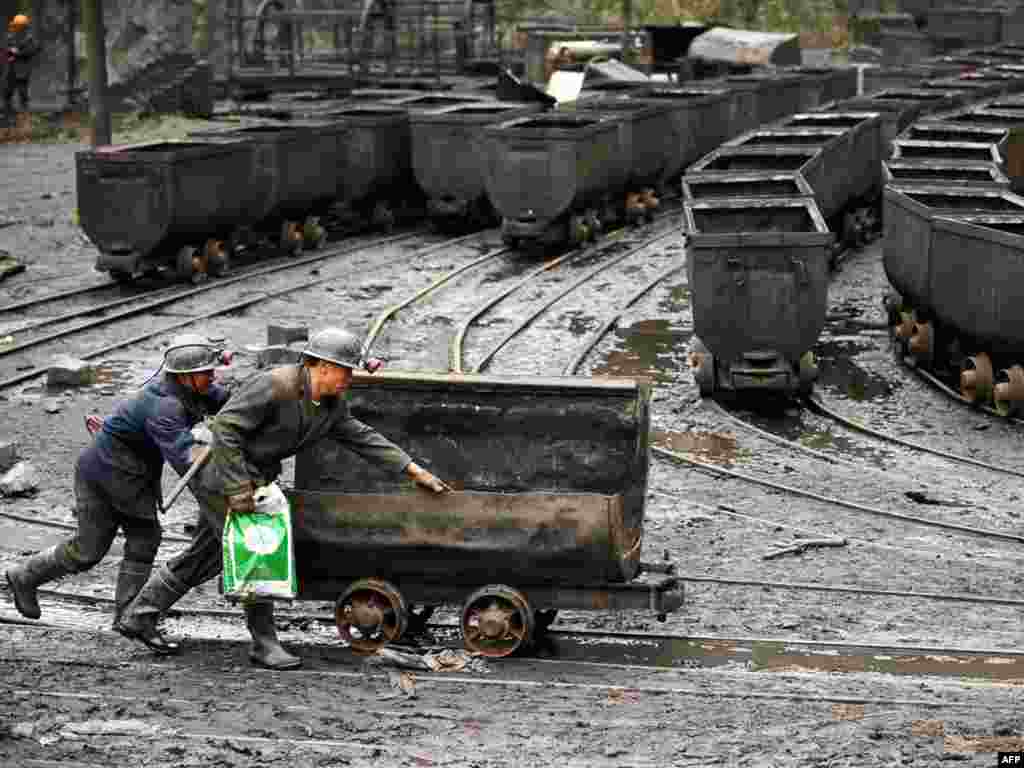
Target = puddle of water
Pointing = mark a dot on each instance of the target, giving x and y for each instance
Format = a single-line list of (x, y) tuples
[(706, 444), (839, 372), (790, 424), (651, 348), (777, 656)]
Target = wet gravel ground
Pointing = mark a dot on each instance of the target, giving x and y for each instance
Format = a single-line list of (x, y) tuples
[(524, 712)]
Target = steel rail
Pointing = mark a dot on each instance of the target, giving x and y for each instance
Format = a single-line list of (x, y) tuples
[(442, 679), (226, 309), (531, 317), (387, 314), (264, 264), (70, 293), (589, 634), (981, 532), (777, 439), (174, 296), (610, 322), (819, 407), (727, 510), (455, 349)]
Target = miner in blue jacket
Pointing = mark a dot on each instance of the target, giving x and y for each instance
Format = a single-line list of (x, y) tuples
[(117, 478)]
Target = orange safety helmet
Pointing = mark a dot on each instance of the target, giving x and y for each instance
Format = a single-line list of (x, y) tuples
[(19, 22)]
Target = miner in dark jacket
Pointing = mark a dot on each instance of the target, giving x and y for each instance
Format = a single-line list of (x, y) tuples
[(20, 51), (268, 419), (117, 478)]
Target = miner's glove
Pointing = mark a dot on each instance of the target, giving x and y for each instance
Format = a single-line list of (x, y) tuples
[(425, 479), (241, 503), (202, 435)]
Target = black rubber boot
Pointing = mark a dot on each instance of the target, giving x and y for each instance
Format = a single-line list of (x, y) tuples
[(266, 650), (26, 578), (139, 619), (131, 577)]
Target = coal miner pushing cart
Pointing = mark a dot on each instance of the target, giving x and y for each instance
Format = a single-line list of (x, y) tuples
[(551, 476), (270, 417), (117, 477)]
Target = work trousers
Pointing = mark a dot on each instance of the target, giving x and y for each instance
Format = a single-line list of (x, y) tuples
[(12, 85), (204, 557), (100, 515)]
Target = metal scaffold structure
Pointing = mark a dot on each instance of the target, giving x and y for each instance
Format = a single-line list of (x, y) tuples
[(362, 39)]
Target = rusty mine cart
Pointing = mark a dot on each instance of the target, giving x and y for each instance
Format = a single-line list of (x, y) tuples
[(552, 479)]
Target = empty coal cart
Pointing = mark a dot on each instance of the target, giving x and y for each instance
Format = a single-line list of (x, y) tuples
[(169, 204), (758, 274), (304, 160), (449, 160), (375, 173), (549, 515), (554, 177)]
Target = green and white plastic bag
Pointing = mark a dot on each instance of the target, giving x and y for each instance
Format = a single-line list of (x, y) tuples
[(259, 553)]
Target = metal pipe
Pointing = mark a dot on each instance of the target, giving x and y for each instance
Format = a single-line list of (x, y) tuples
[(71, 20), (92, 19)]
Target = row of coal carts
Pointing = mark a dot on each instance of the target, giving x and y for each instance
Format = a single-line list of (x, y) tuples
[(954, 246), (548, 174), (767, 210)]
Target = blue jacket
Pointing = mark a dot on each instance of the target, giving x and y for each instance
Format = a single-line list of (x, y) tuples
[(129, 452)]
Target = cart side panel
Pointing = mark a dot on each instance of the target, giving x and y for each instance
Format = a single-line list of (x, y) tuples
[(500, 436)]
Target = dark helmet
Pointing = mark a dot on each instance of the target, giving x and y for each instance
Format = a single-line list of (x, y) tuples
[(335, 345), (191, 353)]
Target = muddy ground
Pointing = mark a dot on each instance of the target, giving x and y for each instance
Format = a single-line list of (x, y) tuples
[(80, 695)]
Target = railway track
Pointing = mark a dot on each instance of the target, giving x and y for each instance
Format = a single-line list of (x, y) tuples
[(634, 650), (178, 707), (605, 327), (240, 292)]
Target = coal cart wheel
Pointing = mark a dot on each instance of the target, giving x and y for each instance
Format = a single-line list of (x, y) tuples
[(497, 621), (807, 372), (121, 276), (702, 364), (190, 265), (218, 259), (576, 230), (900, 332), (921, 344), (290, 237), (314, 233), (976, 378), (370, 614), (383, 217)]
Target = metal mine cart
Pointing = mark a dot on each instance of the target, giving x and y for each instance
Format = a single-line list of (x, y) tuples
[(550, 513)]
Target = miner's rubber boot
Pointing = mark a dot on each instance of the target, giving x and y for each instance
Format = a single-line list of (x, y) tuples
[(23, 580), (139, 619), (266, 650), (131, 578)]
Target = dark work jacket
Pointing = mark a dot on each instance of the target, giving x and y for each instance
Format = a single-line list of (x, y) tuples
[(271, 417), (28, 49), (129, 452)]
